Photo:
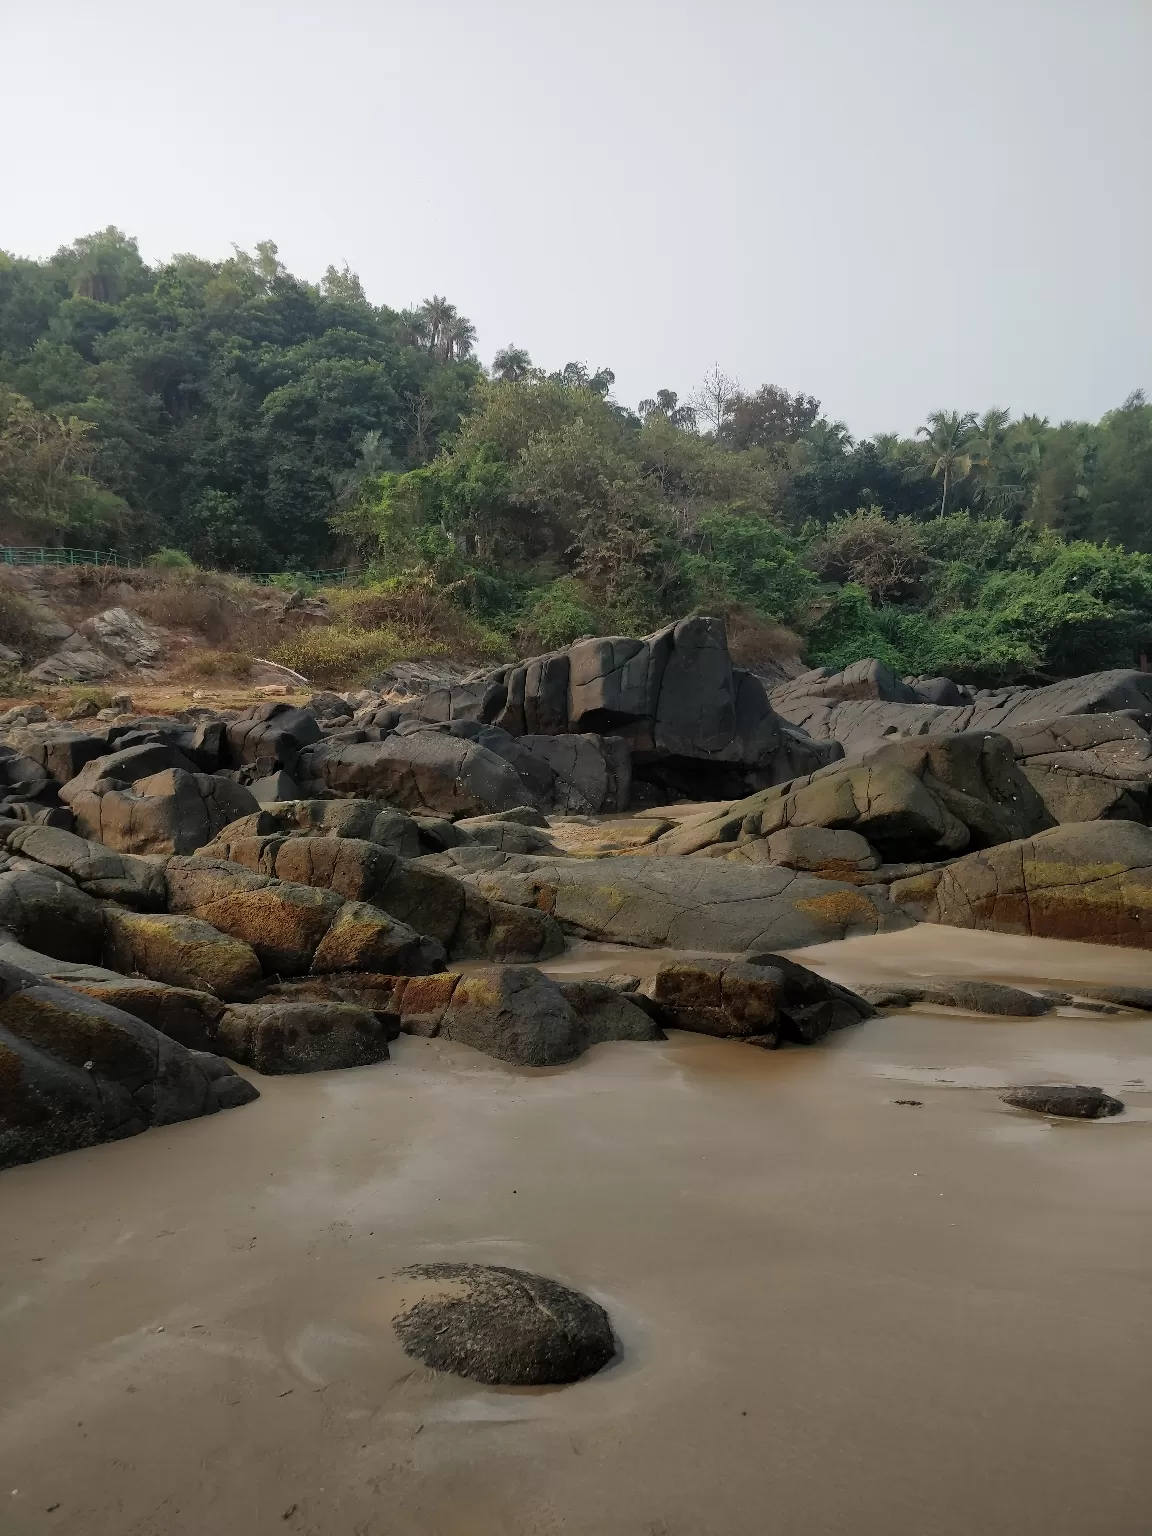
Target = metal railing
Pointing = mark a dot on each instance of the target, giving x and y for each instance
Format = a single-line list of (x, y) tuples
[(53, 556)]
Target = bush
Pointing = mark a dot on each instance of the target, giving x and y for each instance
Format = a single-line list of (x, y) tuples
[(557, 616), (170, 560), (20, 623), (885, 556)]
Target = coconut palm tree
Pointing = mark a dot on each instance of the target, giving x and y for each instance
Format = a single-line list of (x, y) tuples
[(947, 436), (512, 364)]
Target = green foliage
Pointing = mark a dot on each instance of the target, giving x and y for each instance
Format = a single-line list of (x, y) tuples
[(750, 560), (171, 560), (557, 615)]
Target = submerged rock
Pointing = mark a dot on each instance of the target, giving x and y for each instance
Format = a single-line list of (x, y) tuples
[(1074, 1102), (500, 1326)]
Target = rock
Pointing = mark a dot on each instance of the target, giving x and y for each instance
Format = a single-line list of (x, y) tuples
[(62, 752), (1088, 767), (840, 855), (271, 736), (281, 920), (972, 996), (499, 1326), (170, 812), (74, 662), (125, 636), (122, 702), (125, 766), (364, 938), (426, 772), (183, 950), (680, 904), (1125, 996), (275, 1038), (519, 816), (74, 1071), (275, 787), (764, 1000), (43, 908), (915, 799), (593, 773), (1073, 1102), (516, 1014), (862, 723), (185, 1015), (85, 710), (98, 871), (1090, 881)]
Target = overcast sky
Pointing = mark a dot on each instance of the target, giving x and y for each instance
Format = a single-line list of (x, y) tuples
[(895, 205)]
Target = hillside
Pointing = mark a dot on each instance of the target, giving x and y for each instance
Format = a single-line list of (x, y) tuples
[(252, 421)]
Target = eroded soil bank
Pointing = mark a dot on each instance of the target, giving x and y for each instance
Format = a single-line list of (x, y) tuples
[(838, 1313)]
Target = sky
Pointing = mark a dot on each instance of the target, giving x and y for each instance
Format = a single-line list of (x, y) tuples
[(894, 205)]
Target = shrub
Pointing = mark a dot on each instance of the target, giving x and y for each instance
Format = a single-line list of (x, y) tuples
[(558, 615), (171, 560), (20, 622)]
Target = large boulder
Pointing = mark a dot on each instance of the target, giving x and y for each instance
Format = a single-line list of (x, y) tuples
[(690, 718), (270, 736), (74, 1071), (367, 820), (517, 1014), (98, 871), (838, 708), (172, 811), (675, 903), (280, 1037), (766, 1000), (426, 771), (125, 635), (186, 1014), (924, 798), (499, 1326), (1087, 767), (1090, 881), (182, 950), (44, 908)]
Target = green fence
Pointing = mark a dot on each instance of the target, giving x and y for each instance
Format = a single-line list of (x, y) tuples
[(44, 556)]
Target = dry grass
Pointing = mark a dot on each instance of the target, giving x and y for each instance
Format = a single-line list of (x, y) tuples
[(758, 643), (20, 621)]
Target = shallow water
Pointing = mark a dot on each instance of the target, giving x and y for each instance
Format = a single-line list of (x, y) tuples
[(839, 1315)]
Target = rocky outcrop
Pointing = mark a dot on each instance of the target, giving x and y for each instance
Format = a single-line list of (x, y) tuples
[(926, 798), (442, 916), (502, 1327), (98, 871), (865, 704), (1088, 767), (681, 904), (690, 719), (125, 636), (1090, 881), (74, 1071), (280, 1037), (169, 812), (766, 1001), (517, 1014), (971, 996), (425, 771)]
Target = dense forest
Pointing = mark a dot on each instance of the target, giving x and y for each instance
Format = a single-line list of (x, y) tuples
[(256, 421)]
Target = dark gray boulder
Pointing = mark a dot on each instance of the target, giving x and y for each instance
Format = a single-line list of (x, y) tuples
[(44, 909), (989, 997), (75, 1071), (97, 870), (500, 1326), (1073, 1102), (763, 999), (275, 1037), (171, 811)]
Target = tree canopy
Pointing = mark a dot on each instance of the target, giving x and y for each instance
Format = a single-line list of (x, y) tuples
[(258, 421)]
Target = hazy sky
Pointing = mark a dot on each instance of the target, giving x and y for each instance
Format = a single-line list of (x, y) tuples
[(893, 206)]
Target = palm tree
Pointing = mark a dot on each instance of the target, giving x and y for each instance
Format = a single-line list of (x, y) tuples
[(667, 404), (947, 436), (459, 337), (512, 364)]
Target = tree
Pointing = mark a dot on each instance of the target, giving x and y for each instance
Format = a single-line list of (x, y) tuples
[(714, 397), (947, 436), (666, 405), (771, 418), (440, 328), (343, 284), (105, 266), (577, 376), (512, 364)]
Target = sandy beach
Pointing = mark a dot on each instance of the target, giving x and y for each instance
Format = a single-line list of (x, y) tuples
[(837, 1313)]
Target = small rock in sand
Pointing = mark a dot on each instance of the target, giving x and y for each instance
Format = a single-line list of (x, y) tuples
[(1073, 1101), (504, 1327)]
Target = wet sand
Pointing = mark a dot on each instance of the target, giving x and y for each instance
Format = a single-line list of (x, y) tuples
[(839, 1316)]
